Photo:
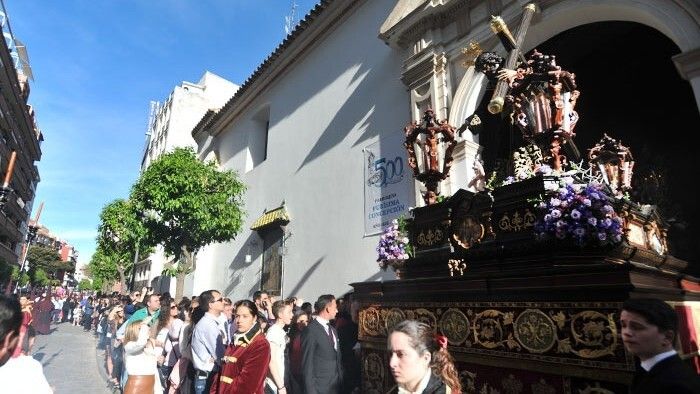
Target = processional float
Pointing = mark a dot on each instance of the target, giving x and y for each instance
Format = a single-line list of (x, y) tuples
[(526, 278)]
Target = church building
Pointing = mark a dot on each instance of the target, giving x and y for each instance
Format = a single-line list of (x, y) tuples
[(316, 131)]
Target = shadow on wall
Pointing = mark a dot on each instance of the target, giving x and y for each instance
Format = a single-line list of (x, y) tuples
[(356, 111), (306, 276), (360, 111), (253, 247)]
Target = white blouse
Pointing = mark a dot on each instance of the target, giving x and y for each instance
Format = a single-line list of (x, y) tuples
[(141, 360)]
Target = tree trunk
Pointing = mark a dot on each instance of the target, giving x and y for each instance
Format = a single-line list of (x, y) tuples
[(122, 279), (188, 260)]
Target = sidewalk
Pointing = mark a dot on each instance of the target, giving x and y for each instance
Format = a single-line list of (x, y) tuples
[(68, 357)]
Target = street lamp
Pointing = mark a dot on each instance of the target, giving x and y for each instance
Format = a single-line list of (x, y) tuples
[(31, 235)]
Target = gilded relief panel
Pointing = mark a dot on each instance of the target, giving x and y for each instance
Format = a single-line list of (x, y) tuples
[(584, 334)]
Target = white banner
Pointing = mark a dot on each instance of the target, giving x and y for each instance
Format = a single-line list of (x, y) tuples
[(388, 181)]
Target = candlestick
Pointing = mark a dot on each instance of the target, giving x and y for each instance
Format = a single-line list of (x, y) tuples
[(10, 168)]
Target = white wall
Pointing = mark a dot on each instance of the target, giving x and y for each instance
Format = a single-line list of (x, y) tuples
[(340, 97)]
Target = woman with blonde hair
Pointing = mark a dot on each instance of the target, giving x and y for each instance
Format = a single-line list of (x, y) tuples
[(420, 362), (140, 359)]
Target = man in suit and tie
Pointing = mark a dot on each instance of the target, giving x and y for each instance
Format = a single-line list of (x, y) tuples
[(649, 328), (321, 362)]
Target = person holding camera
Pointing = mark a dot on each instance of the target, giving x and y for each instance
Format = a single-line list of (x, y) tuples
[(263, 302)]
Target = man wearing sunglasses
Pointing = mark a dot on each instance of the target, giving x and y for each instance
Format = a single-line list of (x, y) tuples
[(207, 341)]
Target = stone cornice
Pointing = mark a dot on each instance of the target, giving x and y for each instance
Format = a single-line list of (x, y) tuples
[(688, 63), (422, 19), (325, 17)]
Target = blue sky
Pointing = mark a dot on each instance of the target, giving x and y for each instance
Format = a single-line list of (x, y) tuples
[(98, 64)]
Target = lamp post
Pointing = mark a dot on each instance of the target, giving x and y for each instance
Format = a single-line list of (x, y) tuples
[(31, 235)]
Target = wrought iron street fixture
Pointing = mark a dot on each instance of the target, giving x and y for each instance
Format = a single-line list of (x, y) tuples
[(6, 190), (31, 236)]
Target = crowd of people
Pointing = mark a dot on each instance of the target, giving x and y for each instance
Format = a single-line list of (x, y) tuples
[(208, 344)]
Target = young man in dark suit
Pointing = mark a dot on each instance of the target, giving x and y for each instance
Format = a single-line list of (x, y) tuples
[(649, 328), (321, 360)]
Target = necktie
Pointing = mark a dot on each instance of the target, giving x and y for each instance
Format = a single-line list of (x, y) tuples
[(330, 335)]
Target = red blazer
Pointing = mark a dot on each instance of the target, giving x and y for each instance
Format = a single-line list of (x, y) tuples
[(244, 368)]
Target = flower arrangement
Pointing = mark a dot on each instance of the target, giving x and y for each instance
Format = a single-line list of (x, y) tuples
[(582, 212), (394, 243)]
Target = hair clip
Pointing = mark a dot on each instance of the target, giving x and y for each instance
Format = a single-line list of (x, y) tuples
[(441, 341)]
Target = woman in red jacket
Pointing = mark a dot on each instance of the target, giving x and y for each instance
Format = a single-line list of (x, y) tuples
[(247, 358)]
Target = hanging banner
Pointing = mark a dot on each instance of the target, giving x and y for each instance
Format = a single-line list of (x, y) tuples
[(388, 183)]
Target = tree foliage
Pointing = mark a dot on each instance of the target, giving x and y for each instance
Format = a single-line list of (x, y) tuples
[(120, 233), (85, 284), (41, 278), (45, 258), (188, 204)]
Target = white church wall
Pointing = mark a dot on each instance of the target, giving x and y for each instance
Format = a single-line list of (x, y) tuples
[(341, 96)]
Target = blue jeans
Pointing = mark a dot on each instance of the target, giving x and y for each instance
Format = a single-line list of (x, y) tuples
[(201, 384)]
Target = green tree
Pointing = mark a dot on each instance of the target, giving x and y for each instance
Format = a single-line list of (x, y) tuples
[(85, 284), (120, 233), (188, 204), (41, 278), (46, 259)]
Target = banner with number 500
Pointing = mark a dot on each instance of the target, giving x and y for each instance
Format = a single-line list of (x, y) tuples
[(387, 183)]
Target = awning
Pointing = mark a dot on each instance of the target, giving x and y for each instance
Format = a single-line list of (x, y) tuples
[(277, 216)]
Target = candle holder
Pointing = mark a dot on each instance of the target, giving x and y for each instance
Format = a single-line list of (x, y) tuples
[(5, 192), (432, 139)]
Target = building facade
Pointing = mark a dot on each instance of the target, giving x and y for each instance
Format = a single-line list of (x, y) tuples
[(312, 125), (170, 126), (19, 137), (68, 254)]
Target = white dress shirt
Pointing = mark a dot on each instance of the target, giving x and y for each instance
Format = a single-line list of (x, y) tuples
[(326, 326), (423, 384), (648, 364)]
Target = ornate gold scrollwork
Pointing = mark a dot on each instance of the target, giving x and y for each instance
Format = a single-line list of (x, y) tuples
[(370, 321), (595, 332), (456, 266), (517, 221), (373, 371), (489, 330), (393, 317), (530, 219), (535, 330), (422, 315), (431, 237), (454, 325)]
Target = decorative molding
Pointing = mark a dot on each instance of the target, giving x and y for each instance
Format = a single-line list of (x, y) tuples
[(570, 333), (688, 64)]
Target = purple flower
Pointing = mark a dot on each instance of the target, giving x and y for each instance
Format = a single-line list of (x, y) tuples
[(602, 236), (592, 221), (580, 231), (555, 202), (575, 214), (587, 202), (556, 214)]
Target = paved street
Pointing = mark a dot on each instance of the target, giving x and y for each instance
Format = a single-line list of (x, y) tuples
[(69, 358)]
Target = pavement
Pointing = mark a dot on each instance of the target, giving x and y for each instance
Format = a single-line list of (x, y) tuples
[(72, 363)]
